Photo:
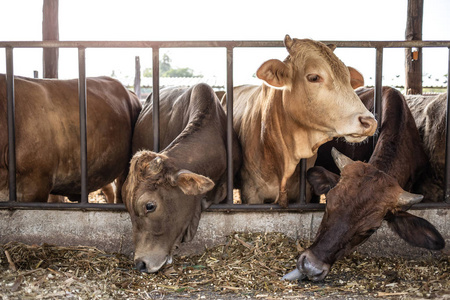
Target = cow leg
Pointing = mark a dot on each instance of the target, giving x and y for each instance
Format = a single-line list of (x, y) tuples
[(108, 191), (33, 188), (282, 198), (55, 199), (119, 183)]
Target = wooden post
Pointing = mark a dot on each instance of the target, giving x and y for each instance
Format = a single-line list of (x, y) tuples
[(413, 56), (50, 32), (137, 77)]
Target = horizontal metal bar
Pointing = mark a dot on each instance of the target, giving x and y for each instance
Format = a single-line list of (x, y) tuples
[(295, 207), (62, 206), (200, 44)]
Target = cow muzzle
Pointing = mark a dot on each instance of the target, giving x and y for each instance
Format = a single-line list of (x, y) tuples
[(149, 265), (367, 127), (310, 266)]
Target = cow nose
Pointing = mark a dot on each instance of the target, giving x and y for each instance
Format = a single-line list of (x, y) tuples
[(369, 124), (310, 266), (141, 266)]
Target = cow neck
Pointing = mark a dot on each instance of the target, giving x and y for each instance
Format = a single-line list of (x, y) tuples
[(280, 134), (399, 143), (187, 150)]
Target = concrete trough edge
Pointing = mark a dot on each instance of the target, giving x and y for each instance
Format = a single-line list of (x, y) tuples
[(111, 231)]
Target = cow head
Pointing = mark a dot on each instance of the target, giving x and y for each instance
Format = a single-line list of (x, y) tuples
[(164, 203), (356, 207), (317, 91)]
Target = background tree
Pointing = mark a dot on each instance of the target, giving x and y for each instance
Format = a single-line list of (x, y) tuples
[(166, 70)]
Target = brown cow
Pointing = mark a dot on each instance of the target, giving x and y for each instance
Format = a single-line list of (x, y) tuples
[(304, 102), (430, 115), (368, 193), (48, 136), (165, 192), (356, 207)]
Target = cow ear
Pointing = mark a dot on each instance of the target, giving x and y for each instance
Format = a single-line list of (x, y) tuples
[(321, 180), (416, 231), (274, 72), (193, 184), (356, 78)]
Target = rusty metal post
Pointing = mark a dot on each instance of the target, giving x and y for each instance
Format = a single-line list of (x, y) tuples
[(82, 95), (413, 56), (447, 142), (50, 32), (11, 125), (230, 125), (155, 66), (377, 109)]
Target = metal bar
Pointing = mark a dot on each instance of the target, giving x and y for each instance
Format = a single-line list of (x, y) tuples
[(62, 206), (82, 95), (377, 105), (295, 207), (155, 66), (11, 125), (302, 183), (198, 44), (447, 142), (230, 173)]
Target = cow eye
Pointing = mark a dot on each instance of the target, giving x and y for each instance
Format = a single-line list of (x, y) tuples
[(150, 207), (314, 78)]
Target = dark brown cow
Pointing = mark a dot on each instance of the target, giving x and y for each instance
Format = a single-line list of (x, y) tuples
[(305, 101), (368, 193), (165, 192), (430, 115), (48, 136)]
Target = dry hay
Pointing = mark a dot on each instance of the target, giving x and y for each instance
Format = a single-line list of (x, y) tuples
[(249, 265)]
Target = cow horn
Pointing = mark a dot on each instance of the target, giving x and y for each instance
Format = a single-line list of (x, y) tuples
[(407, 199), (155, 166), (340, 159), (288, 42)]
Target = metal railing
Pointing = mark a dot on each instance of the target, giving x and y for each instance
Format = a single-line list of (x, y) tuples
[(301, 204)]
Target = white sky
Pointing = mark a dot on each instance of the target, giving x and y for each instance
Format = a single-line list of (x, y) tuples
[(220, 20)]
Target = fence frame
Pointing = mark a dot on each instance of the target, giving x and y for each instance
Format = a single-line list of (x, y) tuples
[(301, 205)]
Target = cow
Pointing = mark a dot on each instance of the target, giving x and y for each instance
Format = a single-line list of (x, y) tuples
[(47, 136), (303, 102), (165, 192), (367, 193), (429, 112)]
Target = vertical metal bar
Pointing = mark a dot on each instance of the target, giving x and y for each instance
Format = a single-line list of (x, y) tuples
[(82, 95), (11, 125), (230, 125), (156, 144), (302, 188), (377, 109), (447, 142)]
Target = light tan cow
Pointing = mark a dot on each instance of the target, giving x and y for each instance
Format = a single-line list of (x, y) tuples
[(305, 101)]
